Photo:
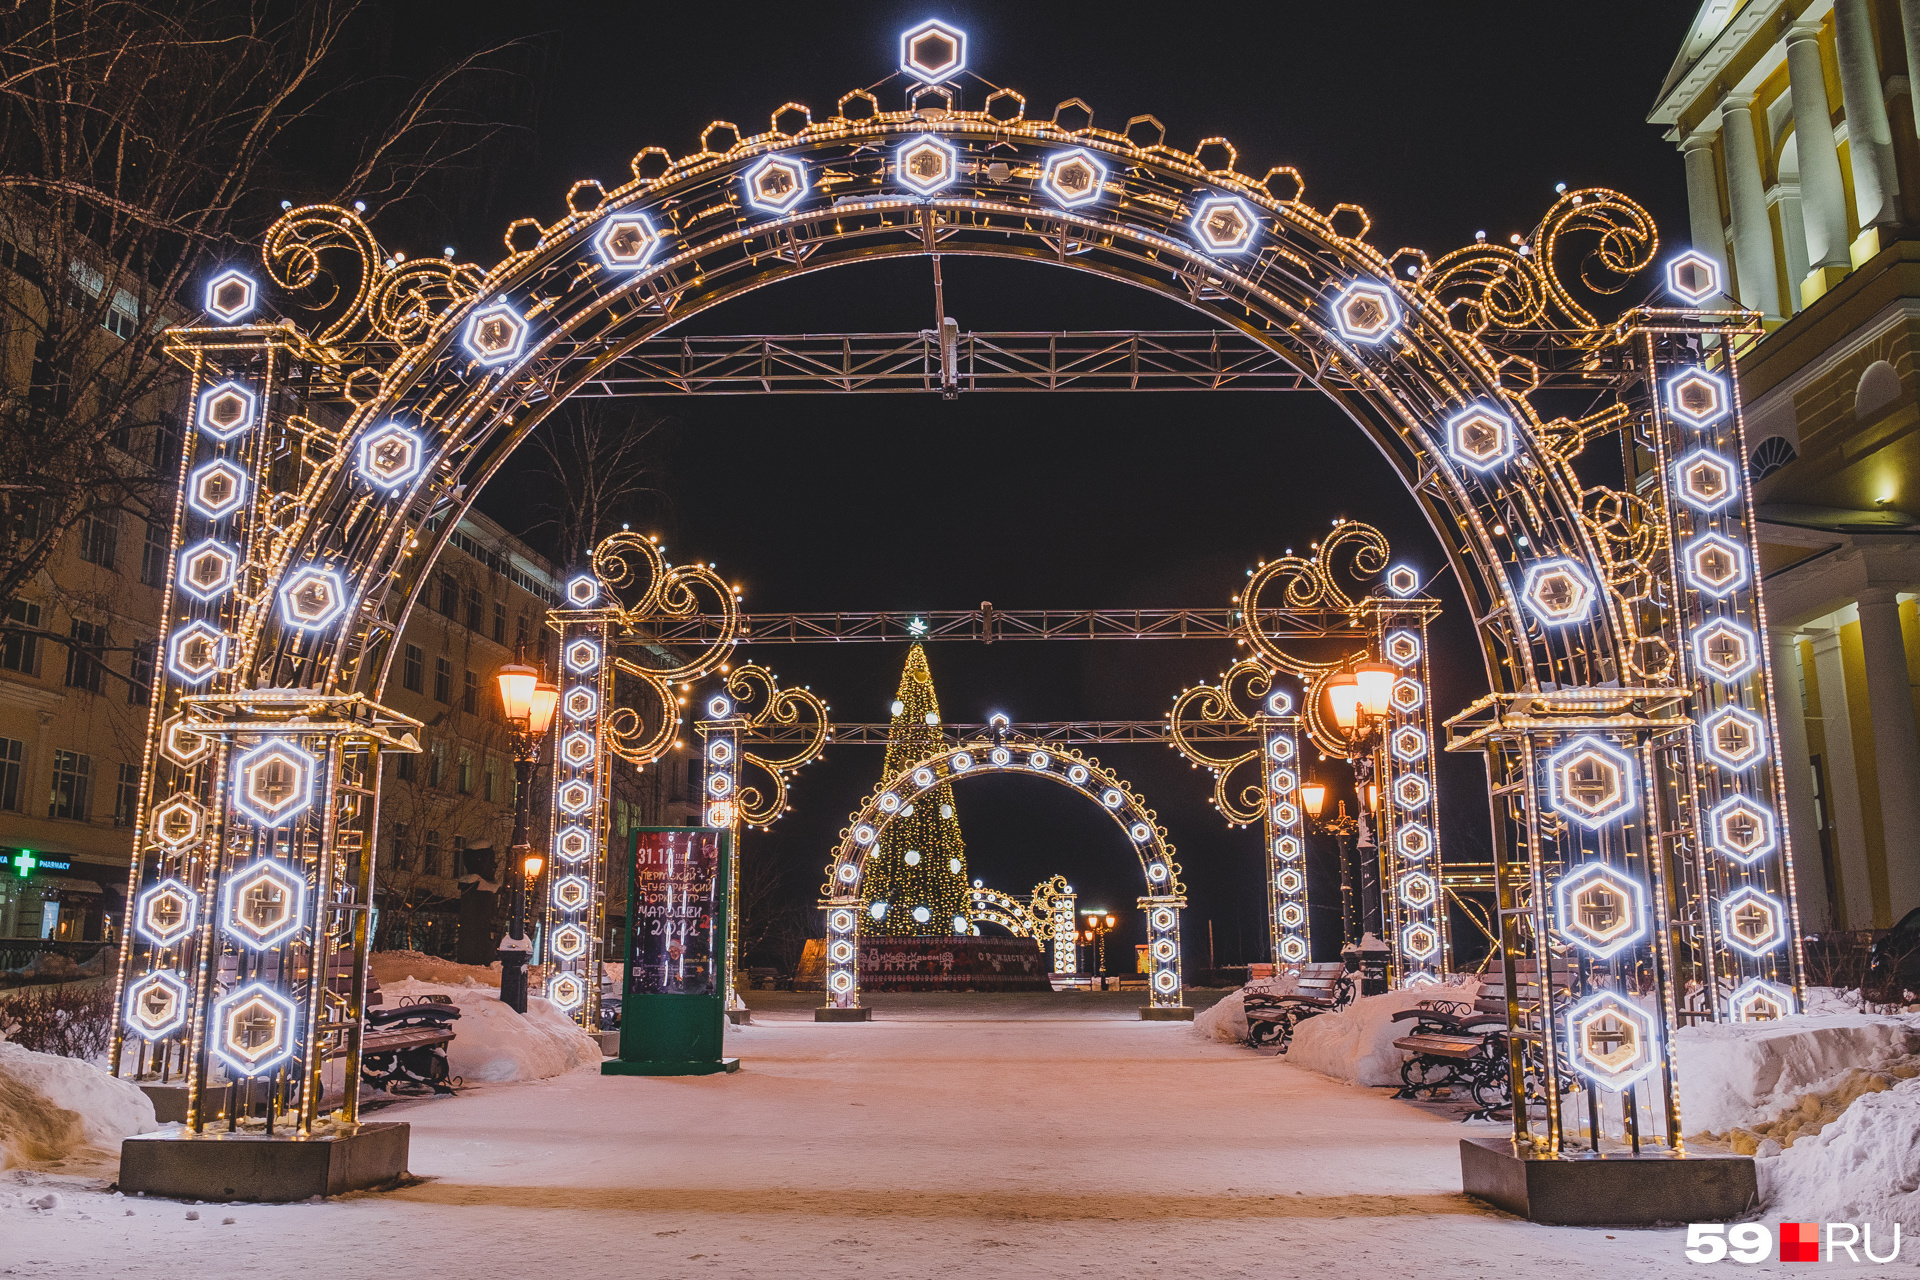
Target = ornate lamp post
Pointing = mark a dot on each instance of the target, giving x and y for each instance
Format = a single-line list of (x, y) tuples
[(1095, 927), (1313, 797), (529, 702), (1361, 699)]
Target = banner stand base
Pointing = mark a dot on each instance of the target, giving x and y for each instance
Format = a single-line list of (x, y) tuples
[(621, 1067)]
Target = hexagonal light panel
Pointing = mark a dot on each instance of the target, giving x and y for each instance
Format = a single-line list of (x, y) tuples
[(1725, 650), (582, 590), (1407, 694), (1715, 565), (1413, 841), (1291, 915), (1408, 744), (1402, 648), (1600, 909), (567, 990), (217, 489), (495, 335), (1693, 277), (1293, 950), (263, 904), (583, 656), (1073, 178), (924, 165), (231, 296), (1281, 782), (1420, 941), (1417, 889), (1697, 398), (775, 184), (1289, 881), (573, 843), (1366, 312), (1752, 921), (1402, 581), (253, 1029), (157, 1005), (196, 652), (933, 52), (626, 241), (576, 797), (571, 893), (227, 409), (580, 703), (1287, 848), (1558, 591), (1706, 481), (1225, 225), (179, 744), (177, 821), (1481, 437), (577, 749), (207, 569), (312, 597), (166, 912), (1743, 829), (1591, 781), (1758, 1000), (569, 942), (273, 783), (1410, 792), (1734, 738), (390, 455), (1611, 1041)]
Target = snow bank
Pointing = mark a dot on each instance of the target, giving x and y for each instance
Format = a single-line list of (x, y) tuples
[(1864, 1166), (1734, 1075), (1356, 1044), (399, 966), (52, 1106), (492, 1043), (1227, 1019)]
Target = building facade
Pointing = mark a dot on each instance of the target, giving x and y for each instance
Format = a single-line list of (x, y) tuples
[(1797, 124)]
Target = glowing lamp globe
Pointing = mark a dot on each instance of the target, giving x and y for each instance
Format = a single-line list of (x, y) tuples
[(532, 865), (545, 698), (1376, 687), (1344, 692), (517, 683), (1314, 796)]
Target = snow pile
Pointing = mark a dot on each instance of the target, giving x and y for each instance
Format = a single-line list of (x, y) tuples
[(492, 1043), (51, 1107), (1356, 1044), (400, 966), (1735, 1075), (1227, 1020), (1864, 1166)]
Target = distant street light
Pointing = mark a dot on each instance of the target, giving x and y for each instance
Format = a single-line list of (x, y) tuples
[(529, 704)]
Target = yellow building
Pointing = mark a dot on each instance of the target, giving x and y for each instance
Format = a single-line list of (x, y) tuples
[(1798, 124)]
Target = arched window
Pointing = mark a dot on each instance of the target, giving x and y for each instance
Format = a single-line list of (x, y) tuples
[(1768, 457), (1879, 387)]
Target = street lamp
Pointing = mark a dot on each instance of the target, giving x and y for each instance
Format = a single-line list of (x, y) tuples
[(1095, 925), (1361, 699), (1314, 796), (529, 703)]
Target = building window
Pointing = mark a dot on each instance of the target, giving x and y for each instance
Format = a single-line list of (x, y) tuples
[(430, 854), (475, 617), (71, 774), (18, 651), (492, 794), (499, 622), (126, 795), (153, 555), (437, 765), (1768, 457), (449, 596), (470, 693), (167, 440), (442, 680), (466, 772), (99, 537), (84, 655), (520, 636), (397, 856), (405, 767), (140, 677), (13, 753), (413, 668)]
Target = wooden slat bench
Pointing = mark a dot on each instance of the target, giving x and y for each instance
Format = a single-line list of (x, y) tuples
[(1460, 1049), (1321, 988)]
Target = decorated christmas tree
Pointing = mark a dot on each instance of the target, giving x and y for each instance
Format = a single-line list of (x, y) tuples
[(916, 879)]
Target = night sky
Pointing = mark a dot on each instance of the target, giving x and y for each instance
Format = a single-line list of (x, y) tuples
[(1440, 120)]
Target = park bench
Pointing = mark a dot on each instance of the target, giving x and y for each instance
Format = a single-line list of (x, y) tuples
[(1460, 1047), (1322, 988)]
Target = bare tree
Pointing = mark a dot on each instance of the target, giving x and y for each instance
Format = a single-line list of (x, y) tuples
[(603, 466), (138, 142)]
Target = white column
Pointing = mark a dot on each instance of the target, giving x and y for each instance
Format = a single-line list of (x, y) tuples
[(1796, 773), (1703, 198), (1876, 183), (1823, 203), (1793, 235), (1910, 25), (1896, 743), (1843, 783), (1752, 234)]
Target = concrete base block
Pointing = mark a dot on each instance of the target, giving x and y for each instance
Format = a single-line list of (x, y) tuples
[(253, 1166), (713, 1067), (169, 1102), (1582, 1189), (609, 1043), (828, 1013), (740, 1017), (1178, 1013)]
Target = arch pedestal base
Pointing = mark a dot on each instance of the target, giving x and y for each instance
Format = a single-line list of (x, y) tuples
[(1173, 1013), (828, 1013)]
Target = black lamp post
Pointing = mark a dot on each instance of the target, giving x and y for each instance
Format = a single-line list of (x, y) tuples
[(1342, 829), (529, 703)]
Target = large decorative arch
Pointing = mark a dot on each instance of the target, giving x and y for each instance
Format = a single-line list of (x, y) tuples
[(1624, 619), (1006, 753)]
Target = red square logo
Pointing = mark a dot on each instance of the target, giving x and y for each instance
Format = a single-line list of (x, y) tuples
[(1799, 1242)]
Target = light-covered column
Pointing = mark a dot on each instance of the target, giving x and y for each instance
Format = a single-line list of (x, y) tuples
[(1796, 771), (1823, 203), (1896, 743), (1703, 198), (1758, 282), (1876, 183), (1843, 783)]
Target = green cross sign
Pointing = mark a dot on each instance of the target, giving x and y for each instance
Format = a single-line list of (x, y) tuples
[(25, 861)]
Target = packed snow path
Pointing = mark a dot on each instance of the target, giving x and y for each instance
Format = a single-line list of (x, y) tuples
[(991, 1136)]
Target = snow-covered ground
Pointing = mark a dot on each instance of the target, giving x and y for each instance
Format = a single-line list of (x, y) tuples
[(992, 1136)]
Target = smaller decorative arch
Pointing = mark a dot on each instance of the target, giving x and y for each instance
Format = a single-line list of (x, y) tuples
[(1879, 387), (1012, 753)]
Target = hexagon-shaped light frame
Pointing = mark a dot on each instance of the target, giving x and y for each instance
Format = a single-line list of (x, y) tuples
[(384, 475), (797, 176), (516, 325), (1291, 915), (188, 811), (1693, 260), (1289, 881), (219, 469), (1620, 800), (1754, 992), (1410, 791), (1710, 544), (1505, 443), (576, 796), (1402, 648), (1686, 382), (1540, 572), (1634, 919), (172, 733), (1420, 940), (582, 656), (572, 893), (1202, 225), (1416, 889), (902, 164), (1609, 1075), (583, 590), (1293, 949), (1407, 694), (1756, 732), (569, 941), (271, 815), (577, 749), (1384, 305), (302, 615), (150, 897), (231, 313), (619, 224), (929, 73), (1408, 743), (254, 1064), (208, 550), (1403, 580), (1414, 841), (567, 990), (136, 994), (1685, 470), (576, 838), (248, 400), (192, 637), (1703, 639), (1776, 934), (1062, 196), (580, 703), (291, 920), (1720, 826)]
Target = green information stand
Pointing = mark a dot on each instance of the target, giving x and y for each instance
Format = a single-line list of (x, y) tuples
[(672, 1010)]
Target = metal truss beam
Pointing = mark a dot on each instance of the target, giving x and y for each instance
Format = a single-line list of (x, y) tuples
[(1062, 732), (988, 624)]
